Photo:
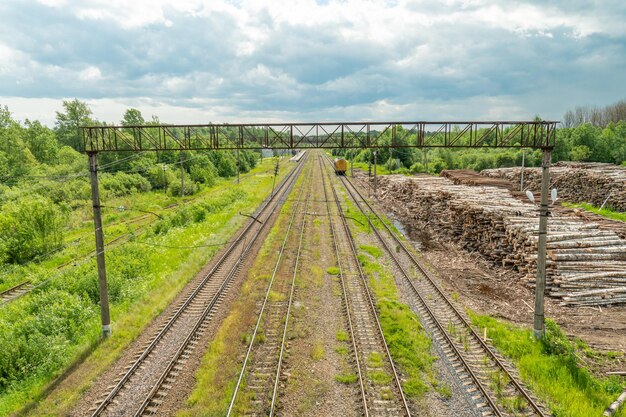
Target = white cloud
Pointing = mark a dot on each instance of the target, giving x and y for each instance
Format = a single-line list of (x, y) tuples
[(90, 73), (354, 59)]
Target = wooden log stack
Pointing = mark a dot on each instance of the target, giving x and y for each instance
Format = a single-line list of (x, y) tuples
[(593, 183), (586, 265)]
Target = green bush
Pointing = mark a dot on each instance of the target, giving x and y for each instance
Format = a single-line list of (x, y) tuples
[(203, 174), (227, 166), (30, 227), (40, 334), (196, 213), (121, 183), (191, 187)]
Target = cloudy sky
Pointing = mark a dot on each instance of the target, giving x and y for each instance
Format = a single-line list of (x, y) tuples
[(199, 61)]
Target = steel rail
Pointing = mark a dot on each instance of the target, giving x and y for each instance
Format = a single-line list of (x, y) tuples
[(113, 243), (440, 292), (145, 404), (344, 292), (291, 291), (371, 301), (265, 300), (8, 292), (241, 237)]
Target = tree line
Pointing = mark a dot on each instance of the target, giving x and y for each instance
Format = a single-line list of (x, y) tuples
[(44, 177), (579, 139)]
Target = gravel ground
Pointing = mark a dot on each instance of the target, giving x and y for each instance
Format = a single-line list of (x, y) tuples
[(185, 380), (459, 404), (500, 292), (313, 362)]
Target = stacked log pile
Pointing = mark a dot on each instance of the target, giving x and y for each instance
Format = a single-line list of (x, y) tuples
[(586, 265), (592, 183)]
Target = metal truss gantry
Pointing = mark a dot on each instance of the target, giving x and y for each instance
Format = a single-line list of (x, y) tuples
[(331, 135)]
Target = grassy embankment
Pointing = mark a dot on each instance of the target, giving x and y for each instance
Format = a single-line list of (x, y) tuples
[(409, 344), (122, 216), (44, 333), (608, 213), (217, 375), (552, 370)]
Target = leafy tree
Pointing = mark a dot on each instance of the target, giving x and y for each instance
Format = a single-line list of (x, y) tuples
[(133, 117), (580, 153), (15, 157), (42, 142), (30, 227), (76, 114)]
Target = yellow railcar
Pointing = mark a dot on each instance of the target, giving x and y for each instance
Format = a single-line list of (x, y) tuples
[(341, 166)]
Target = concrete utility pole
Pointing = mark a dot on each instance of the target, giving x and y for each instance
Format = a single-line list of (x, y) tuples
[(521, 181), (182, 175), (164, 178), (375, 182), (352, 164), (540, 285), (238, 165), (97, 223)]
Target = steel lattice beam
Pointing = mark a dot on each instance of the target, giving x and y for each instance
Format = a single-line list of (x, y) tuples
[(328, 135)]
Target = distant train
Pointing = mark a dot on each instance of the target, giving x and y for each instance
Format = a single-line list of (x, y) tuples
[(341, 166), (297, 157)]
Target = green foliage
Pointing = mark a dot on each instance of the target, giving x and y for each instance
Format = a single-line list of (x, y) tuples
[(227, 166), (408, 343), (202, 170), (30, 227), (608, 213), (121, 183), (551, 369), (195, 213), (132, 117), (42, 334), (191, 187), (41, 142), (76, 113)]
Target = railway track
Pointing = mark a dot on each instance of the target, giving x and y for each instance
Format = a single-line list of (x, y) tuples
[(492, 383), (144, 384), (143, 222), (15, 292), (263, 363), (380, 390)]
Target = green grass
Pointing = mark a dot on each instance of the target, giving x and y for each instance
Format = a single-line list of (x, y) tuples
[(551, 369), (346, 378), (379, 377), (375, 251), (58, 325), (608, 213), (409, 345), (318, 352), (332, 270), (217, 375), (342, 336)]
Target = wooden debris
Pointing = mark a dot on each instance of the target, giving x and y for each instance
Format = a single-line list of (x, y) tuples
[(586, 265), (594, 183)]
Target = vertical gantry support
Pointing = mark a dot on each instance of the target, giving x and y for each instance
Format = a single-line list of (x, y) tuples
[(239, 165), (375, 185), (97, 223), (182, 174), (540, 285)]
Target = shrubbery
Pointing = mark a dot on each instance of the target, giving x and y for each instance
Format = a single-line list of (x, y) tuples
[(31, 227), (195, 213), (121, 183)]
